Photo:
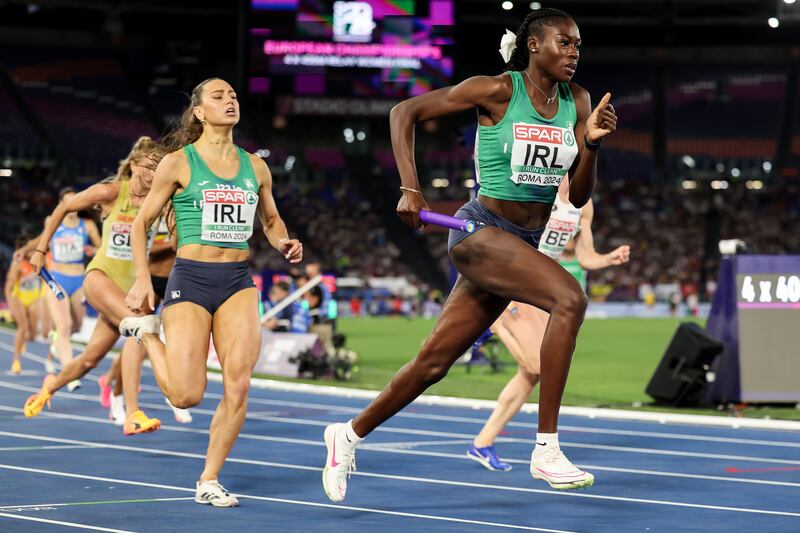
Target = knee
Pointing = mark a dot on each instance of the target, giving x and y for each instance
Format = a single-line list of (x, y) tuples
[(185, 399), (236, 391), (430, 369), (573, 303), (88, 363)]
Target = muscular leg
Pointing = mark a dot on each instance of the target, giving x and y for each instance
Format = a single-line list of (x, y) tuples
[(62, 319), (467, 313), (103, 338), (237, 339), (130, 360), (76, 310), (503, 265), (180, 366), (20, 315), (521, 331)]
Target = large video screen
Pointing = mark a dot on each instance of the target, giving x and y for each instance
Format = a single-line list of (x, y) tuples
[(383, 49)]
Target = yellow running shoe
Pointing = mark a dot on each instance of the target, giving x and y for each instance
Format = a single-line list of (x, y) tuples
[(138, 422), (36, 402), (16, 368)]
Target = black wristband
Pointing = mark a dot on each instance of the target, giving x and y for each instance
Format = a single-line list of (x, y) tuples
[(591, 146), (40, 251)]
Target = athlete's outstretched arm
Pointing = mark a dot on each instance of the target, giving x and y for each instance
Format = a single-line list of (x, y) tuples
[(274, 226), (484, 91), (165, 182), (98, 194), (93, 232), (12, 276), (587, 256), (592, 126)]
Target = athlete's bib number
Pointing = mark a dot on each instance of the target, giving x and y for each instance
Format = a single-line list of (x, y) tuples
[(119, 242), (228, 215), (555, 237), (541, 155), (68, 249)]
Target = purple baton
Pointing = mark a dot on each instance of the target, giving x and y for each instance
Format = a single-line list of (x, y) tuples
[(52, 283), (438, 219)]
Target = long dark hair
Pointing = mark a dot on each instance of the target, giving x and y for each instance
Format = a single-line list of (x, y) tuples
[(188, 128), (533, 24)]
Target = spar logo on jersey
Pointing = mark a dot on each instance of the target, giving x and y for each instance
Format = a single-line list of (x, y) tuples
[(538, 133), (230, 197)]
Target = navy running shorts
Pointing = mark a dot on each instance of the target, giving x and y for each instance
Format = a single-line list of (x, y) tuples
[(208, 285)]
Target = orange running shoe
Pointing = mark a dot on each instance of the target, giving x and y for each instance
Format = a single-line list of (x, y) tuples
[(36, 402), (138, 422), (16, 368)]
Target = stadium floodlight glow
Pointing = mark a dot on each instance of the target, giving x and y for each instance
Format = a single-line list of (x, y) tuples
[(508, 6), (440, 183), (788, 1), (735, 172), (688, 161), (719, 184), (689, 184), (6, 172), (754, 185), (361, 135), (348, 132), (535, 5), (263, 153), (289, 165), (773, 22), (767, 166), (469, 183), (720, 167)]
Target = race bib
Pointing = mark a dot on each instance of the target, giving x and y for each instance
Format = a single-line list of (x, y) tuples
[(541, 155), (556, 236), (67, 248), (119, 242), (228, 215)]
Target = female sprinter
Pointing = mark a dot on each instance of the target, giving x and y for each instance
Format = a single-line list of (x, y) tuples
[(68, 248), (534, 126), (567, 239), (216, 189), (110, 273), (23, 289)]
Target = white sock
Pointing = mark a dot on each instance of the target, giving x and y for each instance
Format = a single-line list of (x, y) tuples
[(350, 433), (546, 439)]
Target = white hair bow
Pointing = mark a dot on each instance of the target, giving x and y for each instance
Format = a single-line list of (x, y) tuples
[(507, 45)]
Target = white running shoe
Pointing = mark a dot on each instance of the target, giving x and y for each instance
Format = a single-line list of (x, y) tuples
[(50, 366), (136, 326), (74, 385), (340, 462), (550, 464), (182, 416), (117, 410), (211, 492)]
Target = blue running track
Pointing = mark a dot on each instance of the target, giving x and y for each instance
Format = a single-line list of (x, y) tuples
[(70, 468)]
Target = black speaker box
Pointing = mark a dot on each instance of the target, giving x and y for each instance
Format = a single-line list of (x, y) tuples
[(682, 373)]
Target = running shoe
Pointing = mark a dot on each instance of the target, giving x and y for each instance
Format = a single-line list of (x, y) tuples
[(139, 422), (487, 457), (116, 411), (36, 402), (182, 416), (550, 464), (211, 492), (340, 462), (105, 391), (136, 326), (49, 366), (16, 368), (74, 385)]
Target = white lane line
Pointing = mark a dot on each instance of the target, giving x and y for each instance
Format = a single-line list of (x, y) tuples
[(528, 408), (37, 448), (280, 500), (414, 479), (75, 504), (62, 523), (380, 447)]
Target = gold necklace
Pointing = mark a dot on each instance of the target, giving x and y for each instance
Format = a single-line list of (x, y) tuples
[(549, 99)]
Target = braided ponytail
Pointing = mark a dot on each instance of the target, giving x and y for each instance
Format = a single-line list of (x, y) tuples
[(533, 24)]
